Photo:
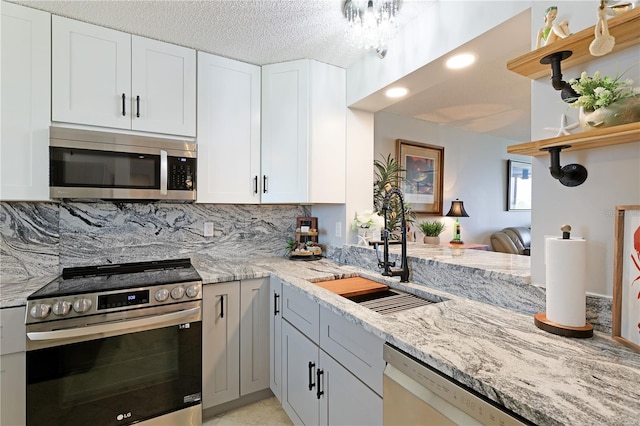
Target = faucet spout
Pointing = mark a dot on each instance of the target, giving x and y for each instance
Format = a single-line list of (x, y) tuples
[(387, 266)]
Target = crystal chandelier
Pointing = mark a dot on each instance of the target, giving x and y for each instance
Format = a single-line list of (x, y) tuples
[(372, 23)]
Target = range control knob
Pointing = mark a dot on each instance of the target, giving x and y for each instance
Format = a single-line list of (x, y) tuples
[(162, 295), (82, 305), (177, 293), (192, 291), (40, 311), (61, 308)]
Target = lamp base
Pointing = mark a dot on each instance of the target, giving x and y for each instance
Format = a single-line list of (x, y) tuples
[(456, 242), (541, 321)]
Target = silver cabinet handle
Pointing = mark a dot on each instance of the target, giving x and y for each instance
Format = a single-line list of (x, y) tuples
[(163, 172)]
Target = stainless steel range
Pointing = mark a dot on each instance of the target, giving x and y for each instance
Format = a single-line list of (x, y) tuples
[(115, 345)]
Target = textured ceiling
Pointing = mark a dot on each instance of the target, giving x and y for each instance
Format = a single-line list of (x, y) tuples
[(485, 99), (255, 31)]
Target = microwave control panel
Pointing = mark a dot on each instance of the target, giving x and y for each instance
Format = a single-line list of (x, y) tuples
[(181, 173)]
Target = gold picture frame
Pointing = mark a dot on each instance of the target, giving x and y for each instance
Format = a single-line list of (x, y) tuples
[(626, 277), (423, 176)]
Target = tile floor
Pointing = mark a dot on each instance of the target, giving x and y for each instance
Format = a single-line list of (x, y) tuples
[(265, 412)]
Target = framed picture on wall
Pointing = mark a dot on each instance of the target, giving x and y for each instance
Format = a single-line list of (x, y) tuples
[(626, 277), (518, 185), (423, 175)]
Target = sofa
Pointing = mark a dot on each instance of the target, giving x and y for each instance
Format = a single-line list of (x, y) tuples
[(514, 240)]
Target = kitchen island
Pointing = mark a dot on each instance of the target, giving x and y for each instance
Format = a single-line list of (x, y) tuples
[(493, 350)]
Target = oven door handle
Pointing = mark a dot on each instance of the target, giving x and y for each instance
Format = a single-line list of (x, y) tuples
[(145, 322)]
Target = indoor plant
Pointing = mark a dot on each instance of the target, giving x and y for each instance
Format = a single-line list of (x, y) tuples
[(605, 101), (388, 171), (431, 231)]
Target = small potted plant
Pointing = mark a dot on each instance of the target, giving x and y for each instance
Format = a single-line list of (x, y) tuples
[(431, 231)]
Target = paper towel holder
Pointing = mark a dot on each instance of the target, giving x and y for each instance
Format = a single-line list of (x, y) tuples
[(569, 175), (543, 323)]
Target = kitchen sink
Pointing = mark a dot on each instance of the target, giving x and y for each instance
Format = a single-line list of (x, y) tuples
[(376, 296), (391, 301)]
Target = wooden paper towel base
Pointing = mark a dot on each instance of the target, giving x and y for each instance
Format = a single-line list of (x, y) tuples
[(543, 323)]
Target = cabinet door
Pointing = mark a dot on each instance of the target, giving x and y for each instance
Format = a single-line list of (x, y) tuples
[(163, 87), (91, 72), (220, 343), (299, 375), (254, 335), (275, 337), (26, 100), (345, 399), (228, 131), (13, 388), (285, 132)]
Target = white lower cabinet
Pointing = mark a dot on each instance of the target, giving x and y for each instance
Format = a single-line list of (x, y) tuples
[(331, 368), (13, 367), (235, 340)]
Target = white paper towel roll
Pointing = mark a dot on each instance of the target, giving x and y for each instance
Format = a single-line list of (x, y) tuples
[(566, 280)]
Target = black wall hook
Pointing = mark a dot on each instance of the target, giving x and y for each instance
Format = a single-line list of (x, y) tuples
[(568, 94), (569, 175)]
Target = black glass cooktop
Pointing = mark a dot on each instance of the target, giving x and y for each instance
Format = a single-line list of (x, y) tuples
[(92, 279)]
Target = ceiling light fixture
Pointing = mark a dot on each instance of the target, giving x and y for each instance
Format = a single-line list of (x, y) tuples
[(372, 23), (396, 92), (460, 61)]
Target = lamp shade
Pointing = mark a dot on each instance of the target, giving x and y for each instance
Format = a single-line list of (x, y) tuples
[(457, 209)]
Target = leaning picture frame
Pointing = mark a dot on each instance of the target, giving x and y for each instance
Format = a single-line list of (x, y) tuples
[(626, 277), (518, 185), (422, 177)]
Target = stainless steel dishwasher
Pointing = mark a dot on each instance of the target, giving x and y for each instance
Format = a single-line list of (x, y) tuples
[(415, 394)]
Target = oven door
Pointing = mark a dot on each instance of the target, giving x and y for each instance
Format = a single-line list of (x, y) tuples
[(151, 367)]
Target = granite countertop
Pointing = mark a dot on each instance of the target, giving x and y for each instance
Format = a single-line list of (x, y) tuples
[(496, 351)]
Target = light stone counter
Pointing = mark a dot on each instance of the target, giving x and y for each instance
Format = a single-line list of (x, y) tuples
[(496, 351)]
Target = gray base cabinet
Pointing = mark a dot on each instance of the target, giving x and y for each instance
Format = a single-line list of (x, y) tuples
[(275, 337), (331, 369), (235, 340), (13, 371)]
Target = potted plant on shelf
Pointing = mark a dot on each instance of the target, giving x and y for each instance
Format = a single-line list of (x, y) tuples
[(605, 101), (431, 231)]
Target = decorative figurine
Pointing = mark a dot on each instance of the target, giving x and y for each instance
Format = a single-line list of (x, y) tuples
[(603, 42), (563, 129), (552, 32)]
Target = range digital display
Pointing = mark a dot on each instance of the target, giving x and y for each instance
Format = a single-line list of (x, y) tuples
[(118, 300)]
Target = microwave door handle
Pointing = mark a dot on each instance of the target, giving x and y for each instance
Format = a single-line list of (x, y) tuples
[(145, 323), (163, 172)]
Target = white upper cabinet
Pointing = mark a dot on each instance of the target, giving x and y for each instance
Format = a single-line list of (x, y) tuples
[(163, 87), (228, 131), (303, 132), (26, 96), (103, 77)]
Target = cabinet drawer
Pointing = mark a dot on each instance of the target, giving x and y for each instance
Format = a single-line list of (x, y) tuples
[(12, 330), (301, 312), (356, 349)]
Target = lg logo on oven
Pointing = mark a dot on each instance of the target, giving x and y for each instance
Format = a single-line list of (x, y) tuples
[(124, 416)]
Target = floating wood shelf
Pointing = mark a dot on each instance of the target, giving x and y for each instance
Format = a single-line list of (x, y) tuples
[(627, 133), (625, 28)]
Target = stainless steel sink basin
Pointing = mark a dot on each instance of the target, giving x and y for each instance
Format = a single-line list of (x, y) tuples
[(391, 301)]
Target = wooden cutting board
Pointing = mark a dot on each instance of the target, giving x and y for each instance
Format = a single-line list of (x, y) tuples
[(349, 287)]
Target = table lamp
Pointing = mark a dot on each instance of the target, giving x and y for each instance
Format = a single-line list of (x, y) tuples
[(457, 210)]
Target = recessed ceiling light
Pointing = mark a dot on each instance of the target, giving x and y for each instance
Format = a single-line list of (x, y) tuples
[(462, 60), (396, 92)]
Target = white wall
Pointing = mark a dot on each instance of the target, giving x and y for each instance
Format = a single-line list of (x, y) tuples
[(475, 171), (614, 172), (359, 182)]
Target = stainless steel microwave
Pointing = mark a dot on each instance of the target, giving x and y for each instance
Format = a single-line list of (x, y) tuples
[(102, 165)]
